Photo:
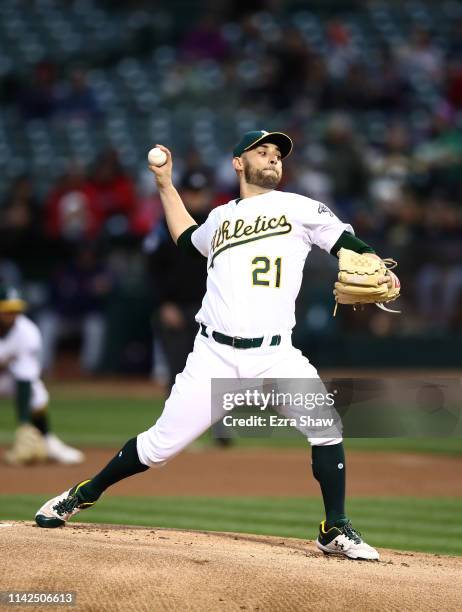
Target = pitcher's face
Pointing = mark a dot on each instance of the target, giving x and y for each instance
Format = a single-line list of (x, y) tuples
[(262, 166), (7, 320)]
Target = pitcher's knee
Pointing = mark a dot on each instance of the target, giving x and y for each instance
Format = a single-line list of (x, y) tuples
[(324, 441), (151, 451)]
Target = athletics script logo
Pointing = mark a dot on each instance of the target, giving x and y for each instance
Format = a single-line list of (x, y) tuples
[(230, 235)]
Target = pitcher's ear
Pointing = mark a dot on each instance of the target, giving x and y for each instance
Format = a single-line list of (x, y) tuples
[(237, 163)]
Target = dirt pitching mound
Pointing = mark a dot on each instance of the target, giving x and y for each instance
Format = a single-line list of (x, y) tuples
[(126, 568)]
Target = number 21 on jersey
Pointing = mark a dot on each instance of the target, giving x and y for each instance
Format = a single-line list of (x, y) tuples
[(263, 274)]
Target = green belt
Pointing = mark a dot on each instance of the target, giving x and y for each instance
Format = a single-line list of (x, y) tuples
[(238, 342)]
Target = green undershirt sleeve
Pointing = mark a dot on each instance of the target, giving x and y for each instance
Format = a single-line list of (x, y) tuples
[(348, 241), (23, 398), (184, 242)]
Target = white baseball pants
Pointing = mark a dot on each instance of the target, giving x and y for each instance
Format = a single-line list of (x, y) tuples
[(187, 412)]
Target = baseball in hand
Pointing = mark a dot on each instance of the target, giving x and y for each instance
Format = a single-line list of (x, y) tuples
[(156, 157)]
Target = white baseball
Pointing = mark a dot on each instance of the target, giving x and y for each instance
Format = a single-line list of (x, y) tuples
[(156, 157)]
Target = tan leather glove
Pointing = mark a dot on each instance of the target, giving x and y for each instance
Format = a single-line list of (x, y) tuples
[(365, 279), (29, 446)]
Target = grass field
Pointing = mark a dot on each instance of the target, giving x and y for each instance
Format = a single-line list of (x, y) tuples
[(427, 525), (86, 420)]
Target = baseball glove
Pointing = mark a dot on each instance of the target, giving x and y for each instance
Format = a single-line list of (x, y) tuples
[(365, 279), (29, 447)]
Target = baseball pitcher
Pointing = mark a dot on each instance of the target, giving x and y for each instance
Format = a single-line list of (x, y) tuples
[(256, 247)]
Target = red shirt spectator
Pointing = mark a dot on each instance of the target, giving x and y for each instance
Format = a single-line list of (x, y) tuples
[(147, 214), (71, 210), (115, 191)]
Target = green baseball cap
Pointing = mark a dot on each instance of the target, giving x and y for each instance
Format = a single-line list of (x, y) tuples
[(257, 137)]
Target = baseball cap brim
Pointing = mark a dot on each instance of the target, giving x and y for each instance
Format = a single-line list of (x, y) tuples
[(12, 306), (254, 139)]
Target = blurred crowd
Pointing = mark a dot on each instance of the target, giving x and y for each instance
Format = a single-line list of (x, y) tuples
[(377, 137)]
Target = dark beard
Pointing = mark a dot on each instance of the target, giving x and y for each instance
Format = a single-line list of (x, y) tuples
[(266, 180)]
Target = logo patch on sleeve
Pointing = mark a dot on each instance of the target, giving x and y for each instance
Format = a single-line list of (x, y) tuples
[(322, 208)]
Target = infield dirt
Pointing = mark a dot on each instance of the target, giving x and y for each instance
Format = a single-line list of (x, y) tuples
[(126, 568)]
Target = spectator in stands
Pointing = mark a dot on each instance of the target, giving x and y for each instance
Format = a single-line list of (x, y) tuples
[(20, 222), (391, 168), (115, 191), (439, 282), (72, 210), (77, 295), (20, 210), (421, 56), (341, 52), (292, 70), (440, 155), (77, 99), (148, 211), (345, 164)]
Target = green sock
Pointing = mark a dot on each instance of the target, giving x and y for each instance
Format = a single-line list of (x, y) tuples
[(124, 464), (40, 420), (23, 394), (328, 464)]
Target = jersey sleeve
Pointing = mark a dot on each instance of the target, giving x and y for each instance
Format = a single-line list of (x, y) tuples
[(201, 238), (323, 227)]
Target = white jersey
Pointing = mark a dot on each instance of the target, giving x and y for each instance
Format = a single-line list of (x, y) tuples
[(256, 249), (20, 350)]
